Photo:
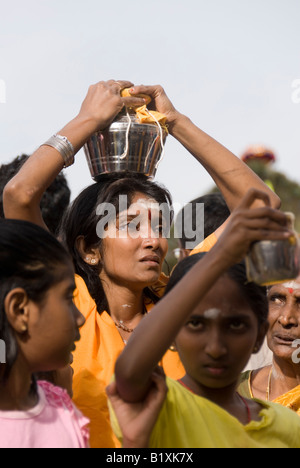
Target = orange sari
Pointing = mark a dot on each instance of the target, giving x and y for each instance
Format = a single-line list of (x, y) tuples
[(290, 400)]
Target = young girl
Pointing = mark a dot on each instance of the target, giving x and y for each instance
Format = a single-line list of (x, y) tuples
[(217, 320), (39, 325), (118, 279)]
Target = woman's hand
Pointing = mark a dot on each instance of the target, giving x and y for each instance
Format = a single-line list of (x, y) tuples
[(247, 225), (137, 420), (103, 102), (160, 101)]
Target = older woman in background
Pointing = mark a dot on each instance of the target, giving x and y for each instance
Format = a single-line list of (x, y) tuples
[(280, 382)]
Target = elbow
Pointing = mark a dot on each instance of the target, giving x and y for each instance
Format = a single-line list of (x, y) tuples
[(129, 385), (125, 375), (15, 197)]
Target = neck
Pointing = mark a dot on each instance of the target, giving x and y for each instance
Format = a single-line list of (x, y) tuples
[(285, 377), (15, 393), (223, 397), (125, 303)]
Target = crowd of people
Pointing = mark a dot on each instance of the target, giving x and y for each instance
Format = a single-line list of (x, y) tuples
[(158, 362)]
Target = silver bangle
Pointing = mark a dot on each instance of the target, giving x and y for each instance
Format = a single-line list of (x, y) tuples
[(64, 147)]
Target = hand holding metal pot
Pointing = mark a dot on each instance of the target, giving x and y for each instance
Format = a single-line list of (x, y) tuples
[(103, 102), (265, 237), (131, 143)]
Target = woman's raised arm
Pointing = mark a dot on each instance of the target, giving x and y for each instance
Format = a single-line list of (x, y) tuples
[(233, 177), (23, 194)]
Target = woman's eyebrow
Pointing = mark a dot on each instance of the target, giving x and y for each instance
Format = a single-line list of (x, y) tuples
[(277, 291)]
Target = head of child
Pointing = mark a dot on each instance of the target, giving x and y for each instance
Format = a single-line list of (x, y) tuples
[(39, 322), (113, 233), (227, 326)]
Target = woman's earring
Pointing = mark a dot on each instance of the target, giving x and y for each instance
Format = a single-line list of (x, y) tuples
[(91, 261)]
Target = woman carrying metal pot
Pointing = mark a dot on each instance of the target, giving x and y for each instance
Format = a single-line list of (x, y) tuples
[(119, 272)]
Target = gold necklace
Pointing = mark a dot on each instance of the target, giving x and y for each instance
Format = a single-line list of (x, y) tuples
[(120, 323), (123, 327), (269, 385)]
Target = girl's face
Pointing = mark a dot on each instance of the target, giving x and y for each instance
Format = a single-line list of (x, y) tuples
[(284, 318), (53, 327), (134, 248), (219, 337)]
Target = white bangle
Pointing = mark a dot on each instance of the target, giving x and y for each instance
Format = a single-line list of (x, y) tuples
[(64, 147)]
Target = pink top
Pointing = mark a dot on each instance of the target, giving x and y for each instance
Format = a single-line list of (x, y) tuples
[(53, 423)]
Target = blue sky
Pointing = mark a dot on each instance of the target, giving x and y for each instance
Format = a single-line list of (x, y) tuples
[(228, 65)]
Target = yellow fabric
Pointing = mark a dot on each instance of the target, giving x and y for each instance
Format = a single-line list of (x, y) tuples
[(141, 112), (189, 421), (94, 364)]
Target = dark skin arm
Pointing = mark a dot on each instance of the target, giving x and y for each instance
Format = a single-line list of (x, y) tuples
[(231, 175), (136, 420)]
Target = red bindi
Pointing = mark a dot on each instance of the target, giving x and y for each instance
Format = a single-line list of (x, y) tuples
[(290, 290)]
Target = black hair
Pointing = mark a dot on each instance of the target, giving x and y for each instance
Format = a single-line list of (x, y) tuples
[(31, 259), (55, 200), (254, 294), (81, 220), (216, 212)]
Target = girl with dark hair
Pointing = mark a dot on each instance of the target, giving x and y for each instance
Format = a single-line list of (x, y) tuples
[(39, 325), (118, 277), (216, 320)]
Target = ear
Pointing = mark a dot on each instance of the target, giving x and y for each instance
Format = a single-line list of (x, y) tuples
[(90, 255), (17, 310), (261, 337)]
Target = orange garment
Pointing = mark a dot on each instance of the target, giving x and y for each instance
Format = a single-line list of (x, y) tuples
[(142, 112), (206, 245), (290, 400), (94, 362), (94, 365)]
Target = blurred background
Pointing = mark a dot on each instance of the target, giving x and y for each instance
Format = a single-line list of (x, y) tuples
[(232, 66)]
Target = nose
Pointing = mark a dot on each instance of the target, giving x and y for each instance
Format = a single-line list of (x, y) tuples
[(80, 319), (215, 346), (151, 238), (288, 317)]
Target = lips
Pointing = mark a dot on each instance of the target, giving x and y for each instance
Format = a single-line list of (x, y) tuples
[(215, 370), (151, 259), (285, 339)]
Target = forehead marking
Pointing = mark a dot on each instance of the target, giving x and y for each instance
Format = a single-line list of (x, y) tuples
[(212, 314), (292, 286)]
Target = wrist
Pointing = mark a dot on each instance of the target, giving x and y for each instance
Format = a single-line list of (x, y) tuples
[(142, 443), (78, 131), (222, 257), (177, 124)]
